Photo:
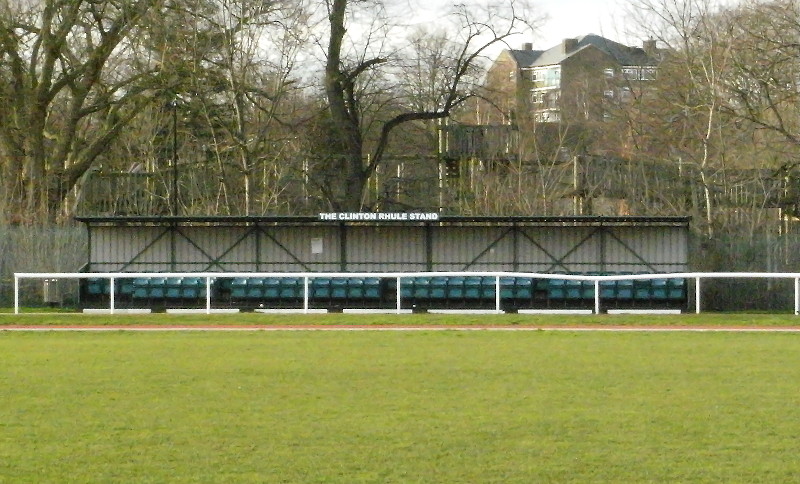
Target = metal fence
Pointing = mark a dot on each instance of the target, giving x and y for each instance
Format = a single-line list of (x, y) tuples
[(398, 278)]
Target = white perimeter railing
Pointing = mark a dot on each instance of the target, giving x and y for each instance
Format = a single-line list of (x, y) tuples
[(307, 277)]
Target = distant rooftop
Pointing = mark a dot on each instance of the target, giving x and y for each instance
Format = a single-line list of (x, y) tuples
[(623, 54)]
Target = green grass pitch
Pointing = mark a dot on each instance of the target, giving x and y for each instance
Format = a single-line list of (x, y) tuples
[(429, 406)]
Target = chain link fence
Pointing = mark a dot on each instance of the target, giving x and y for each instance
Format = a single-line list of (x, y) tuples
[(63, 248), (41, 248)]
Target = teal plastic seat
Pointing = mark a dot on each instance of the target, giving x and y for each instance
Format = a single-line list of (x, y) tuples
[(124, 287), (573, 289), (676, 289), (455, 288), (372, 288), (508, 288), (472, 287), (438, 287), (238, 288), (556, 289), (625, 290), (96, 286), (608, 289), (422, 288), (354, 289), (271, 288), (151, 287), (172, 287), (319, 288), (340, 287), (641, 290), (291, 288), (488, 287), (406, 288), (658, 289)]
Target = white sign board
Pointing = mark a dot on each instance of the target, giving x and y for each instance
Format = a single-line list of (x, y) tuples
[(379, 216)]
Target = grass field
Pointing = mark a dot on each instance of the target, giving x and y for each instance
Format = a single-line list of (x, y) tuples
[(438, 407)]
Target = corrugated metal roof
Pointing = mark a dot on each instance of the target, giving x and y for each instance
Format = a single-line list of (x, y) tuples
[(587, 220)]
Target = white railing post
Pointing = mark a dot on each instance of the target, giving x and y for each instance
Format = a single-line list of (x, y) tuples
[(597, 296), (305, 294), (796, 296), (16, 294), (697, 295), (208, 294), (497, 293), (399, 305), (111, 292)]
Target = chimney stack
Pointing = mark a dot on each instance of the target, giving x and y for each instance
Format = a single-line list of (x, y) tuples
[(650, 47), (569, 45), (527, 46)]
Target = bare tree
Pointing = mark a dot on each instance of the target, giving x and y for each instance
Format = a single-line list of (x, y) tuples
[(65, 94), (696, 36), (356, 158)]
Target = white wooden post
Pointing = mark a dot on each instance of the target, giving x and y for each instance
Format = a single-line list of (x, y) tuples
[(16, 294), (399, 305), (597, 296), (305, 294), (697, 295), (111, 292), (497, 293)]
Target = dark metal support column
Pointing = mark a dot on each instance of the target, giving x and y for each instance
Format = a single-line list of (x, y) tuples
[(428, 247), (257, 257), (173, 246), (603, 231), (515, 249), (88, 265)]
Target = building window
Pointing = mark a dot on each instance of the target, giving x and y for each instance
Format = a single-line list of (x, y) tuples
[(648, 73), (547, 76), (547, 117), (609, 73), (529, 75), (630, 73)]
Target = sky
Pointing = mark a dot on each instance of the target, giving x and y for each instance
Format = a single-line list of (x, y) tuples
[(565, 19), (574, 18)]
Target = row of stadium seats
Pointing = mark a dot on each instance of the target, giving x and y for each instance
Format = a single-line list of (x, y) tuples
[(174, 288), (526, 289), (339, 288), (424, 291)]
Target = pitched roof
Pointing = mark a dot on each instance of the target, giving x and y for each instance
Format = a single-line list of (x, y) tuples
[(622, 54)]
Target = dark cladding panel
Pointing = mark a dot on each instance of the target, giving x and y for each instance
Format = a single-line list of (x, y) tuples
[(129, 248), (472, 248), (231, 250), (209, 248), (299, 248), (372, 248), (646, 249), (557, 249)]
